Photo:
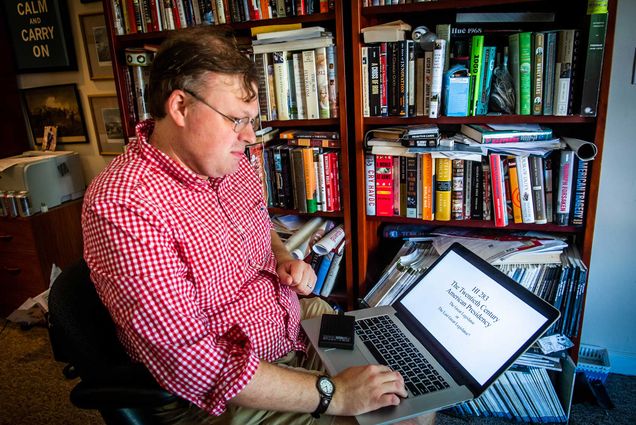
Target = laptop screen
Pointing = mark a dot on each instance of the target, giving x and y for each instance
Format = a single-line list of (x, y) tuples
[(476, 313)]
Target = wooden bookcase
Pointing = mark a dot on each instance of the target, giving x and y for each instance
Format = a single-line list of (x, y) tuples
[(373, 253), (332, 21)]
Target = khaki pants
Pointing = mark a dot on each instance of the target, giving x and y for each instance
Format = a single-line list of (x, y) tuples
[(184, 413)]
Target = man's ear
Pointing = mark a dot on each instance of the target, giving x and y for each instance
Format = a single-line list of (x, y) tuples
[(176, 107)]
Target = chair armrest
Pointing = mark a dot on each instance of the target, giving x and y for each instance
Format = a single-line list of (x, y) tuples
[(90, 395)]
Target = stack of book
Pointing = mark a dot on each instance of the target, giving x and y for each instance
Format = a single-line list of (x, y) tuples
[(297, 74)]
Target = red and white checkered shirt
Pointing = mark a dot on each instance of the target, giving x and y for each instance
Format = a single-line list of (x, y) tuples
[(186, 269)]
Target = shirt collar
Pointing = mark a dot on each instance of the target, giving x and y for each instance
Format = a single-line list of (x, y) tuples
[(168, 165)]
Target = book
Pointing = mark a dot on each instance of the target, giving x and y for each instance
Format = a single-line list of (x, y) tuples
[(514, 189), (564, 187), (310, 180), (322, 82), (334, 272), (428, 186), (513, 66), (549, 63), (375, 81), (487, 133), (384, 190), (538, 49), (563, 71), (321, 274), (304, 44), (299, 86), (332, 80), (369, 172), (538, 189), (489, 55), (457, 190), (386, 32), (525, 73), (437, 77), (548, 183), (525, 190), (443, 187), (581, 170), (286, 32), (311, 84), (476, 69), (498, 190), (364, 57), (593, 64), (281, 81)]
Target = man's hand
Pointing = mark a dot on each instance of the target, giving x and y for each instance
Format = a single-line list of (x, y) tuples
[(362, 389), (297, 274)]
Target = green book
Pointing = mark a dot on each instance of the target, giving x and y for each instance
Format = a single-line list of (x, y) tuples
[(476, 68), (525, 73)]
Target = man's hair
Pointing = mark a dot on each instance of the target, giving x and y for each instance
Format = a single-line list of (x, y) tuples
[(186, 57)]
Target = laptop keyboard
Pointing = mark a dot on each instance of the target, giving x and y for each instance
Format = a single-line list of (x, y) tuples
[(392, 348)]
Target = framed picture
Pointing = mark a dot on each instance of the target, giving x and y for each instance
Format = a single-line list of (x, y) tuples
[(55, 106), (40, 33), (95, 36), (107, 123)]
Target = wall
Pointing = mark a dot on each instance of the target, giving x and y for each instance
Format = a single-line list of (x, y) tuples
[(609, 311), (92, 161)]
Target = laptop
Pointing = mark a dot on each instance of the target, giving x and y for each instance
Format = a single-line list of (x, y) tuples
[(451, 334)]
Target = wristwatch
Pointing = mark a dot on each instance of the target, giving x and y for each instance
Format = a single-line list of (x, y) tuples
[(326, 389)]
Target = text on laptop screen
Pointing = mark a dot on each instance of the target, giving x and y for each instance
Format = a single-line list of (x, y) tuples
[(477, 320)]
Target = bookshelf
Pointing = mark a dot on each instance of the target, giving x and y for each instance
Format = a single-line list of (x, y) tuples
[(331, 21), (374, 252)]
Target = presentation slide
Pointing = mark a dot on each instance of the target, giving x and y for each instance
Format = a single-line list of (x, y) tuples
[(477, 320)]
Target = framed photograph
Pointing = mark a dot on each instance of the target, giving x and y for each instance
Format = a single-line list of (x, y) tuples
[(107, 123), (40, 33), (55, 106), (96, 47)]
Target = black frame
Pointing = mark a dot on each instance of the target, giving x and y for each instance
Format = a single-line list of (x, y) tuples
[(57, 51), (34, 99)]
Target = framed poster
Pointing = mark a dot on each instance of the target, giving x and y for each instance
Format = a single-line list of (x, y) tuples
[(96, 47), (55, 106), (40, 33), (107, 124)]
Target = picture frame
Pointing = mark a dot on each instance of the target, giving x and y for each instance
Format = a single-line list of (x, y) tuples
[(96, 46), (59, 106), (41, 35), (107, 123)]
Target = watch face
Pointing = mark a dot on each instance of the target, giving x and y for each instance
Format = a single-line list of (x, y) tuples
[(326, 386)]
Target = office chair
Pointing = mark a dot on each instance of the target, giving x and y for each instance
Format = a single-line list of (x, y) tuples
[(83, 334)]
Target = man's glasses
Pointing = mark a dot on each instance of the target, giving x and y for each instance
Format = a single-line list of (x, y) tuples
[(239, 123)]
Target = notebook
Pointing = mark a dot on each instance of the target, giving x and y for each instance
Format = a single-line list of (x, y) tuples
[(463, 323)]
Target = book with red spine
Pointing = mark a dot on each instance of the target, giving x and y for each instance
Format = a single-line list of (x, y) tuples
[(498, 190), (384, 185)]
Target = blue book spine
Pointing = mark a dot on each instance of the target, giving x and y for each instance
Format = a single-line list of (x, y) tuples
[(489, 66), (322, 272), (549, 62)]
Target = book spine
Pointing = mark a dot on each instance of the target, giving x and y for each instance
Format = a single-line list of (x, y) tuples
[(477, 201), (329, 182), (419, 84), (322, 184), (332, 79), (443, 187), (486, 190), (399, 188), (514, 189), (375, 81), (549, 62), (384, 185), (498, 190), (506, 186), (437, 77), (332, 274), (272, 102), (118, 17), (366, 88), (525, 190), (538, 50), (579, 195), (476, 69), (292, 100), (325, 263), (593, 64), (564, 189), (281, 80), (310, 180), (281, 200), (428, 81), (335, 172), (299, 180), (513, 48), (563, 72), (322, 82), (393, 78), (299, 75), (538, 189), (384, 101), (262, 86), (486, 80), (548, 183), (311, 84), (457, 190), (428, 186), (525, 73), (410, 77), (468, 188), (411, 187), (443, 32)]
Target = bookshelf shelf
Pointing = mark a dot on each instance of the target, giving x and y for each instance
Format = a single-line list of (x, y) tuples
[(484, 119), (438, 5), (331, 21)]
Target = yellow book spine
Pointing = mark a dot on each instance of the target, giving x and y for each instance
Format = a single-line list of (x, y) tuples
[(443, 185), (514, 190), (427, 186)]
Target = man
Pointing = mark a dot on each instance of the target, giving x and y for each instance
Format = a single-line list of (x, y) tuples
[(181, 250)]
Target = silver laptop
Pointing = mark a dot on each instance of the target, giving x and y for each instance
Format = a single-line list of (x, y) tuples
[(451, 335)]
